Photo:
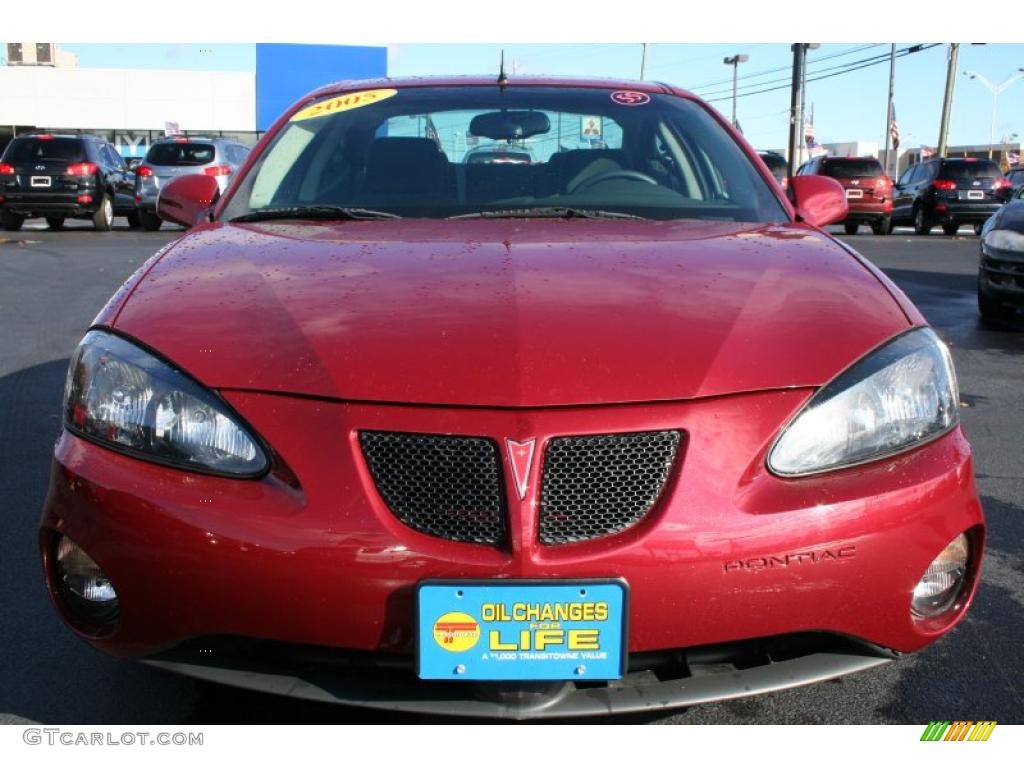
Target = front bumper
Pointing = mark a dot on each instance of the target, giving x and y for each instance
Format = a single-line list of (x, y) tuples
[(1001, 276), (309, 554)]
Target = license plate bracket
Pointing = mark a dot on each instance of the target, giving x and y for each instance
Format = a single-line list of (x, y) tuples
[(975, 194), (521, 629), (40, 181)]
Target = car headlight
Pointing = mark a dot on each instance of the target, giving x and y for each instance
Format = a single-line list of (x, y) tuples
[(126, 398), (899, 396), (1004, 240)]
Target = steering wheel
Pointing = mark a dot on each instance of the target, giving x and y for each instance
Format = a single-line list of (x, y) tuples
[(600, 178)]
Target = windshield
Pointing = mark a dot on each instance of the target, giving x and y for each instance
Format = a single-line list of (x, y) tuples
[(30, 150), (852, 169), (174, 153), (438, 152)]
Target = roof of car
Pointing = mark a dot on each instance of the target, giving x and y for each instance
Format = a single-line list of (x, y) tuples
[(513, 81)]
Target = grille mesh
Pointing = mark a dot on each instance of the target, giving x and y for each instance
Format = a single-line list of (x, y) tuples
[(600, 485), (448, 487)]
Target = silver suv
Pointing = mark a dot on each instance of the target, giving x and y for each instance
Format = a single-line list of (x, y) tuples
[(179, 156)]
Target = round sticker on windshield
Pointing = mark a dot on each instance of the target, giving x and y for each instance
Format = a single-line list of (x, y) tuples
[(343, 103), (630, 98)]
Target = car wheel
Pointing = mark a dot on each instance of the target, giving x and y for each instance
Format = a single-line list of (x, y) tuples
[(150, 221), (850, 227), (133, 219), (55, 222), (978, 228), (103, 219), (992, 310), (882, 226), (11, 221), (950, 229), (921, 226)]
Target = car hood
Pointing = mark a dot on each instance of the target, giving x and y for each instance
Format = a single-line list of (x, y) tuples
[(509, 313)]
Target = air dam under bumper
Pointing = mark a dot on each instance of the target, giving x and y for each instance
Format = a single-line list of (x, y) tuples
[(310, 555), (654, 682)]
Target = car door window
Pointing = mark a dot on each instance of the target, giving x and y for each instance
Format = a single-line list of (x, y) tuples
[(115, 159)]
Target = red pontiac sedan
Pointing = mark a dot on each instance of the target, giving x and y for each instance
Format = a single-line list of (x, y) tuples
[(618, 429)]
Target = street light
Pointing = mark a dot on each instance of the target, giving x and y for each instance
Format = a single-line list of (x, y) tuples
[(734, 62), (995, 90)]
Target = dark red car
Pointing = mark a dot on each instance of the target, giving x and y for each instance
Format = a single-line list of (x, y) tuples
[(868, 190), (619, 429)]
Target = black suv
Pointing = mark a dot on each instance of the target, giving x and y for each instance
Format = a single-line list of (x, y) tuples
[(62, 176), (948, 192)]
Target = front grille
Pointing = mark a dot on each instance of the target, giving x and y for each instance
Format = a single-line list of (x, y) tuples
[(449, 487), (600, 485)]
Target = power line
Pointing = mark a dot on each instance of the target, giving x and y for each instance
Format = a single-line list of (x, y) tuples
[(787, 68), (852, 67), (787, 78)]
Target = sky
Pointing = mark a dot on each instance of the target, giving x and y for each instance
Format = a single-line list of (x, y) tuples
[(847, 107)]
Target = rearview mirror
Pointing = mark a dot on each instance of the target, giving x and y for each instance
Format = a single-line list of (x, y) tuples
[(819, 200), (508, 125), (187, 200)]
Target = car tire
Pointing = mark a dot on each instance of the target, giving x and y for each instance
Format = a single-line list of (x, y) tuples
[(11, 221), (882, 226), (921, 225), (992, 310), (851, 227), (950, 229), (133, 219), (103, 219), (150, 221), (55, 222), (978, 228)]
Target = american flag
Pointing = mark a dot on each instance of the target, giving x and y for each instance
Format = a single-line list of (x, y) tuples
[(1012, 157), (894, 129)]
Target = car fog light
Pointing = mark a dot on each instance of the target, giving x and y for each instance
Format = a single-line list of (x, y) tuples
[(943, 581), (85, 588)]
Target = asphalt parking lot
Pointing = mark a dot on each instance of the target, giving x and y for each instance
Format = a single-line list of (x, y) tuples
[(53, 283)]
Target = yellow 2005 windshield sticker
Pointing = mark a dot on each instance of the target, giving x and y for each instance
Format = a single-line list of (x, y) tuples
[(343, 103)]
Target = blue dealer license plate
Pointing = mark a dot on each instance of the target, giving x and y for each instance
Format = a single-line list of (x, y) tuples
[(508, 630)]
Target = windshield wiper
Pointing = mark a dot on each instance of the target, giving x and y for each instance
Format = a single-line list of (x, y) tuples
[(549, 212), (321, 212)]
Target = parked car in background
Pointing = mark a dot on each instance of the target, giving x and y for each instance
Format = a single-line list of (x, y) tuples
[(62, 176), (1016, 178), (619, 430), (948, 192), (499, 153), (1001, 262), (868, 190), (777, 165), (176, 156)]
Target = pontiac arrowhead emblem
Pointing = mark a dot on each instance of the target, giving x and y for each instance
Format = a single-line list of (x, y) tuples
[(520, 456)]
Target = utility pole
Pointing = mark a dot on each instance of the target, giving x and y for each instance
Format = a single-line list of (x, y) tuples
[(947, 101), (888, 115), (643, 62), (734, 62), (796, 98), (803, 96)]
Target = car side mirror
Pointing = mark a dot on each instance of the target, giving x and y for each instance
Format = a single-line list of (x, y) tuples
[(187, 200), (819, 200)]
